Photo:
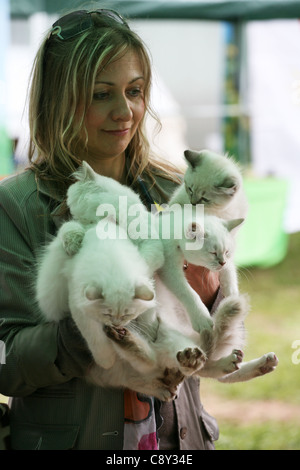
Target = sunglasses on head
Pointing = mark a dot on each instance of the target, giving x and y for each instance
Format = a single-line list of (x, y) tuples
[(79, 21)]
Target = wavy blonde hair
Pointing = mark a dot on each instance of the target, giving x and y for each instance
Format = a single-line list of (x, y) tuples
[(63, 76)]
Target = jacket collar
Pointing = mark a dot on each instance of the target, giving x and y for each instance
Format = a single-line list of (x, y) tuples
[(52, 191), (49, 188)]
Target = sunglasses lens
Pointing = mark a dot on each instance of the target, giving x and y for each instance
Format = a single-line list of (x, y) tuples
[(73, 24), (79, 21), (112, 14)]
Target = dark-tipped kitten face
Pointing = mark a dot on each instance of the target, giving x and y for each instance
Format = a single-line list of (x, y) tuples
[(210, 179)]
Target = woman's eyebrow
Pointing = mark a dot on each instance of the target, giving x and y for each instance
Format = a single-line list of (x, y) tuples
[(113, 84)]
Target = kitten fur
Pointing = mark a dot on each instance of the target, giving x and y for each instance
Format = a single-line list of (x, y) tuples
[(141, 336), (136, 348), (91, 199), (160, 252), (215, 181)]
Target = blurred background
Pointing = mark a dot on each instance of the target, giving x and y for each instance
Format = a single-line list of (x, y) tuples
[(227, 78)]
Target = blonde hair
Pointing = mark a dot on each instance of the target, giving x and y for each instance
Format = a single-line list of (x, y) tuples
[(63, 77)]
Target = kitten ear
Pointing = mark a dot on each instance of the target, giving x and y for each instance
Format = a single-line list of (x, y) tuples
[(93, 293), (143, 292), (85, 172), (229, 186), (231, 224), (193, 158)]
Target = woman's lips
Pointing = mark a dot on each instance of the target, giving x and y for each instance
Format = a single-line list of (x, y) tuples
[(117, 132)]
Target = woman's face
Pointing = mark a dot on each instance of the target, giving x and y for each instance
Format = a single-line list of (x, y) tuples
[(117, 108)]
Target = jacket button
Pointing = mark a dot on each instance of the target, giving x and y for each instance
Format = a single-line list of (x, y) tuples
[(183, 432)]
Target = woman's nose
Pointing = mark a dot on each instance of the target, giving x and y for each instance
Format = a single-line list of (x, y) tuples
[(122, 110)]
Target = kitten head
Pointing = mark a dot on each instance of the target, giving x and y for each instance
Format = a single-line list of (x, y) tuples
[(83, 195), (211, 179), (119, 309), (217, 243)]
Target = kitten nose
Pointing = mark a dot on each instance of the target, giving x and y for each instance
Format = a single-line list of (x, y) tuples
[(222, 263)]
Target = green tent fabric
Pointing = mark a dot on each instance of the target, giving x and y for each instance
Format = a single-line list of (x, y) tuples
[(6, 154), (262, 240), (234, 10)]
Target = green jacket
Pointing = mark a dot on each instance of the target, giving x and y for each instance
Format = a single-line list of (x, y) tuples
[(53, 407)]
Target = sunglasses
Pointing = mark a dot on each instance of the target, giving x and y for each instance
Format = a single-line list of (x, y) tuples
[(79, 21)]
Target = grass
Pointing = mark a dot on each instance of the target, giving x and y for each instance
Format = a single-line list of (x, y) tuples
[(268, 436), (272, 325)]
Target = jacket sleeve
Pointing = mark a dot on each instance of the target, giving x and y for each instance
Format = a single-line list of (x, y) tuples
[(31, 346)]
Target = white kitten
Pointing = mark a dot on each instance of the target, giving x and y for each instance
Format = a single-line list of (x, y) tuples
[(94, 197), (107, 279), (215, 181), (203, 242), (107, 290)]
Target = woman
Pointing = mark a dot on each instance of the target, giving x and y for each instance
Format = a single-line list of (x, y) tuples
[(89, 99)]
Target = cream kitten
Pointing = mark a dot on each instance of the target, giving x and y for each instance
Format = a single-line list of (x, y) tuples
[(215, 181), (108, 280), (106, 288), (94, 197), (205, 243)]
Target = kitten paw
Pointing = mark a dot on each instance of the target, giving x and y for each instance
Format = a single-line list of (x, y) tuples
[(115, 334), (270, 362), (170, 382), (72, 242), (231, 362), (191, 358), (172, 377)]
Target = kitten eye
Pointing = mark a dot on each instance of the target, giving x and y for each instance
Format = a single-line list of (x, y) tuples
[(213, 253), (205, 200), (190, 190), (128, 312)]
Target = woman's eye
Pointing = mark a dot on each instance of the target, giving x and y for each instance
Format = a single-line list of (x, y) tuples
[(101, 95), (135, 92)]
